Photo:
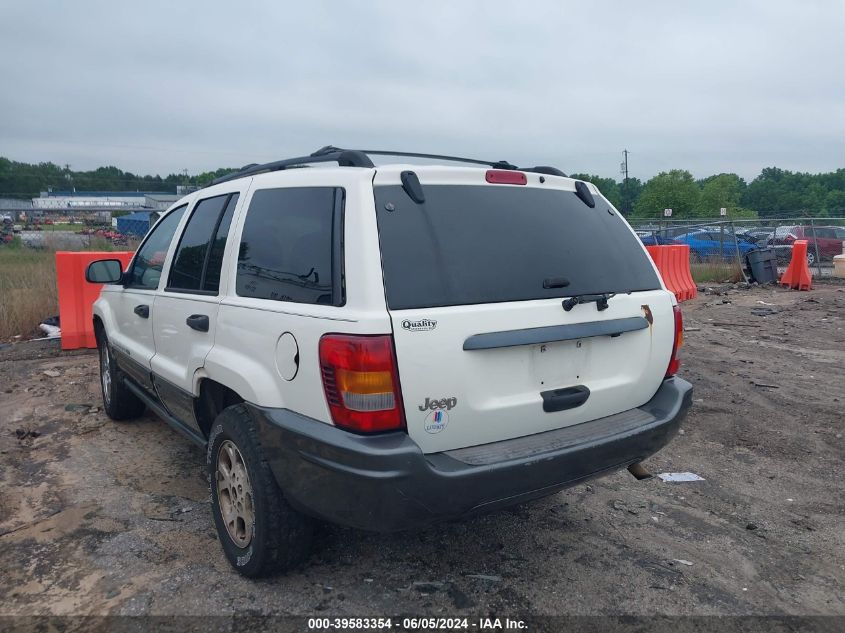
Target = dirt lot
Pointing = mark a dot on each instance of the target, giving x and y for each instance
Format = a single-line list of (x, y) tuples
[(101, 517)]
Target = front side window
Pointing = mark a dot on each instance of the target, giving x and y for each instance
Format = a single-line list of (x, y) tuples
[(146, 268), (196, 264), (290, 246)]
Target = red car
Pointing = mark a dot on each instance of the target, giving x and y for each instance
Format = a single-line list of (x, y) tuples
[(828, 238)]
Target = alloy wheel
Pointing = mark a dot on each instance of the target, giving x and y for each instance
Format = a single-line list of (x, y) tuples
[(105, 372), (234, 494)]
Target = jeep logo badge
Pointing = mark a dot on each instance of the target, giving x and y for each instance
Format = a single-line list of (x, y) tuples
[(422, 325), (433, 404)]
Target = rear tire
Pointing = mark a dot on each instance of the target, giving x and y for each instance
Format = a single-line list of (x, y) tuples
[(261, 534), (118, 402)]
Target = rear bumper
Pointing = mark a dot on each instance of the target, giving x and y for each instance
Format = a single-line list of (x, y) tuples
[(385, 483)]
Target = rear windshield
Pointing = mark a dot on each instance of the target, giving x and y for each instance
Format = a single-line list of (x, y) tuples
[(487, 244)]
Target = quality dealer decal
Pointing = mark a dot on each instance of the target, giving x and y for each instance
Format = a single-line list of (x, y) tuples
[(420, 325)]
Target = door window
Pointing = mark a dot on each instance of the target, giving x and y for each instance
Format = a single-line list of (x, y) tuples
[(290, 246), (146, 268), (211, 282), (199, 256)]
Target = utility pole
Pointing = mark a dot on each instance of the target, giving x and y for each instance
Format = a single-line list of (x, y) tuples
[(624, 169), (69, 177)]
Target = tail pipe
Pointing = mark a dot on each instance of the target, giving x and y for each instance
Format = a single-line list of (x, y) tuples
[(639, 472)]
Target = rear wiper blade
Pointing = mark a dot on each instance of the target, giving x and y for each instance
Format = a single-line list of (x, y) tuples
[(599, 299)]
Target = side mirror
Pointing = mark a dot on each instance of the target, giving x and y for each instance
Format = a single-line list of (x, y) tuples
[(104, 271)]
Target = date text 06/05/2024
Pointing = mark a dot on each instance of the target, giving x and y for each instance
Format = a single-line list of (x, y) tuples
[(415, 624)]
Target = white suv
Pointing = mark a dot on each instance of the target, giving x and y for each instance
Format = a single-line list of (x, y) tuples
[(387, 346)]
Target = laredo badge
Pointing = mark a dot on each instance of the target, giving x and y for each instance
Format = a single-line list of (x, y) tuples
[(436, 421), (421, 325)]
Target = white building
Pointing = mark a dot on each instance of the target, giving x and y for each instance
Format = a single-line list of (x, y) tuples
[(89, 201)]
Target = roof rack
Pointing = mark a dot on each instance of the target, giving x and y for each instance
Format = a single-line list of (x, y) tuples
[(361, 158)]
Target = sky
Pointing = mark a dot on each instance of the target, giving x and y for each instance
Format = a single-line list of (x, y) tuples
[(160, 87)]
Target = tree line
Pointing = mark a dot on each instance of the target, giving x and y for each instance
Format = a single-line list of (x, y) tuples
[(775, 192), (26, 180)]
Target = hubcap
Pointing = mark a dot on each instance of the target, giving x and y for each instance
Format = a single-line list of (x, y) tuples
[(105, 373), (234, 494)]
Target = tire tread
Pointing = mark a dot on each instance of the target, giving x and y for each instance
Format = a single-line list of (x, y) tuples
[(287, 536), (123, 405)]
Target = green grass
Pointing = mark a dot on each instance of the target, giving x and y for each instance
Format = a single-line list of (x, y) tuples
[(27, 290), (716, 271)]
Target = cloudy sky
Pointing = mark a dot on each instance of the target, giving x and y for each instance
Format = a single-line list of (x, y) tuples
[(158, 87)]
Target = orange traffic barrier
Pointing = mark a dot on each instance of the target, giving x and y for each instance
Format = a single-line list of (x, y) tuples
[(798, 275), (673, 263), (77, 296)]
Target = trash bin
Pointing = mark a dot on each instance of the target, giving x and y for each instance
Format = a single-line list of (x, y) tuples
[(764, 265)]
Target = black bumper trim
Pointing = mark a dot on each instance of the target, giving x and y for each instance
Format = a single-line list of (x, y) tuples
[(385, 483)]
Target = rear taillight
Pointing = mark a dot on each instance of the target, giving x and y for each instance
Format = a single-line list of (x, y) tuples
[(505, 177), (361, 382), (674, 361)]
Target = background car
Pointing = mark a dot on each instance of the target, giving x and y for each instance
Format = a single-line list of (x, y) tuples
[(827, 240), (760, 236), (655, 238), (708, 243), (757, 234)]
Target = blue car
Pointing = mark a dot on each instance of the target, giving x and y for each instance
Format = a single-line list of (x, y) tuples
[(705, 244)]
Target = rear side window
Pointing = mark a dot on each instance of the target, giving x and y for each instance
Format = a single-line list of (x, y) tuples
[(291, 246), (211, 282), (196, 264), (481, 244)]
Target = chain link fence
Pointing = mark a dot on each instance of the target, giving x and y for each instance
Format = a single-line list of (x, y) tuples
[(719, 248)]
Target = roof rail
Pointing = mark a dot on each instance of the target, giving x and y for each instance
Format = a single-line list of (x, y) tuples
[(361, 158), (344, 158), (496, 164)]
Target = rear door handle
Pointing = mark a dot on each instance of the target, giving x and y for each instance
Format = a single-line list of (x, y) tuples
[(198, 322), (562, 399), (142, 311)]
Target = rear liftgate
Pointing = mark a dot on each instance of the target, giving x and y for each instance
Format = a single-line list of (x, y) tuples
[(518, 306)]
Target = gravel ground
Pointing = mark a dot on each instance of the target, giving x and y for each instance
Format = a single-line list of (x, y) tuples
[(98, 517)]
